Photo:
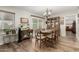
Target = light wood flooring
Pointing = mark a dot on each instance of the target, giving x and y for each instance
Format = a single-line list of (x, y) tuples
[(64, 45)]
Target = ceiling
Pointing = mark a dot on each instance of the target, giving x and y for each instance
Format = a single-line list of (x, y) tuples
[(41, 9)]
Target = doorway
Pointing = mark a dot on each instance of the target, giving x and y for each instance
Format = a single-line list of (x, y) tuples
[(71, 27)]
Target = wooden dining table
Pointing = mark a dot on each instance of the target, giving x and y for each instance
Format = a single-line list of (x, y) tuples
[(46, 33)]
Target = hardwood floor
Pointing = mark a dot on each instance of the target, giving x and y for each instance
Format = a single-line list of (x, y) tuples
[(64, 45)]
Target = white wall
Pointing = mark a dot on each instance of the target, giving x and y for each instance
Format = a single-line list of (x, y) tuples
[(18, 14), (77, 23), (63, 27)]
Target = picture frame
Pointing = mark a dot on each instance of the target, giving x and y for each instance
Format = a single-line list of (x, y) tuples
[(23, 20)]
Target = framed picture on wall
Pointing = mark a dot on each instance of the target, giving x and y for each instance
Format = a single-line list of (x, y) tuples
[(23, 20)]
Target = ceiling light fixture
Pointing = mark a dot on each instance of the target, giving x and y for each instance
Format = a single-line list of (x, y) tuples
[(47, 13)]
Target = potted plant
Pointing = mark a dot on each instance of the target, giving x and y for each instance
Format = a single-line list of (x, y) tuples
[(6, 28), (7, 31)]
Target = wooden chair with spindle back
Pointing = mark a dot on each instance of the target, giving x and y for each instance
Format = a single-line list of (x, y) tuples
[(39, 37)]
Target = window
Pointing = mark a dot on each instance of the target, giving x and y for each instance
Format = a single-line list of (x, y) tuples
[(37, 23), (6, 20)]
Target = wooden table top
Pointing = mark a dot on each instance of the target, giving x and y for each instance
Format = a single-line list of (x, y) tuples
[(28, 30), (48, 30)]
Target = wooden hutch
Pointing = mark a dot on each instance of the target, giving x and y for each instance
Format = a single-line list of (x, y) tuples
[(53, 22)]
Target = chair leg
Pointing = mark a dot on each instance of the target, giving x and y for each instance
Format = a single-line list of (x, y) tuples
[(35, 43), (40, 43)]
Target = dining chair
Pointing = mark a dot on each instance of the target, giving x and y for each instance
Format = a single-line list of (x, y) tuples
[(55, 37), (51, 39), (40, 38)]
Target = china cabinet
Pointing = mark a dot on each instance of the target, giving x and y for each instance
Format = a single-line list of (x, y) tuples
[(53, 22)]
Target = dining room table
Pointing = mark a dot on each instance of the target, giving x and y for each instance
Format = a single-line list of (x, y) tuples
[(46, 33)]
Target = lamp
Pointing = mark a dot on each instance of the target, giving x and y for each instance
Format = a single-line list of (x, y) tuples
[(47, 13)]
